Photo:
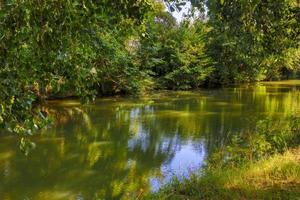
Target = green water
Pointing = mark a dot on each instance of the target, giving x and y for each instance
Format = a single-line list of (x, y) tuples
[(122, 148)]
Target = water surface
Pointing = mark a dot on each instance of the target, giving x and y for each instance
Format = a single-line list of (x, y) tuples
[(120, 148)]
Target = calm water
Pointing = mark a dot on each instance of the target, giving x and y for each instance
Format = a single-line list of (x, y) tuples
[(123, 147)]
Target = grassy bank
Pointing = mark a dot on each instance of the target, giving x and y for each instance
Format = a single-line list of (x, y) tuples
[(277, 177), (262, 165)]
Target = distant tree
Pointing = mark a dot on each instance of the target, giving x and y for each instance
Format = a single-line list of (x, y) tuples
[(175, 54)]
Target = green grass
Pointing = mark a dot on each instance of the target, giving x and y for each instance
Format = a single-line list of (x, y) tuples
[(277, 177)]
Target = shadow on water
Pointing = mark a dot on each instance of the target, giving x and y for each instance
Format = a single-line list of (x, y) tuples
[(123, 148)]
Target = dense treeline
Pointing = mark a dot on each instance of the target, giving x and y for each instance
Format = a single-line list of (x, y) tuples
[(250, 39), (52, 48)]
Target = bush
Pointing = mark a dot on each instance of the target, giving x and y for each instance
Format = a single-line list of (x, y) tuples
[(270, 137)]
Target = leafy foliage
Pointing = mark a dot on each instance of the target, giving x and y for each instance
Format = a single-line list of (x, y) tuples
[(51, 49), (249, 38), (63, 48), (271, 137), (175, 54)]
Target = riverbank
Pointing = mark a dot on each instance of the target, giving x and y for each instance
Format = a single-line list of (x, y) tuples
[(277, 177), (260, 164)]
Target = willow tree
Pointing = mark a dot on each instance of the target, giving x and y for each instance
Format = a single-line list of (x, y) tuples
[(53, 48)]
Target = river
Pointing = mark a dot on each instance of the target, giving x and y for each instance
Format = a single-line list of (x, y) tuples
[(120, 148)]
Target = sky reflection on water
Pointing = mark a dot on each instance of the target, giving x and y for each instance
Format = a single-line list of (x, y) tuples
[(121, 148)]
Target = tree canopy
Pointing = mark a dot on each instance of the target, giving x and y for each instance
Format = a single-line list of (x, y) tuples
[(55, 49)]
